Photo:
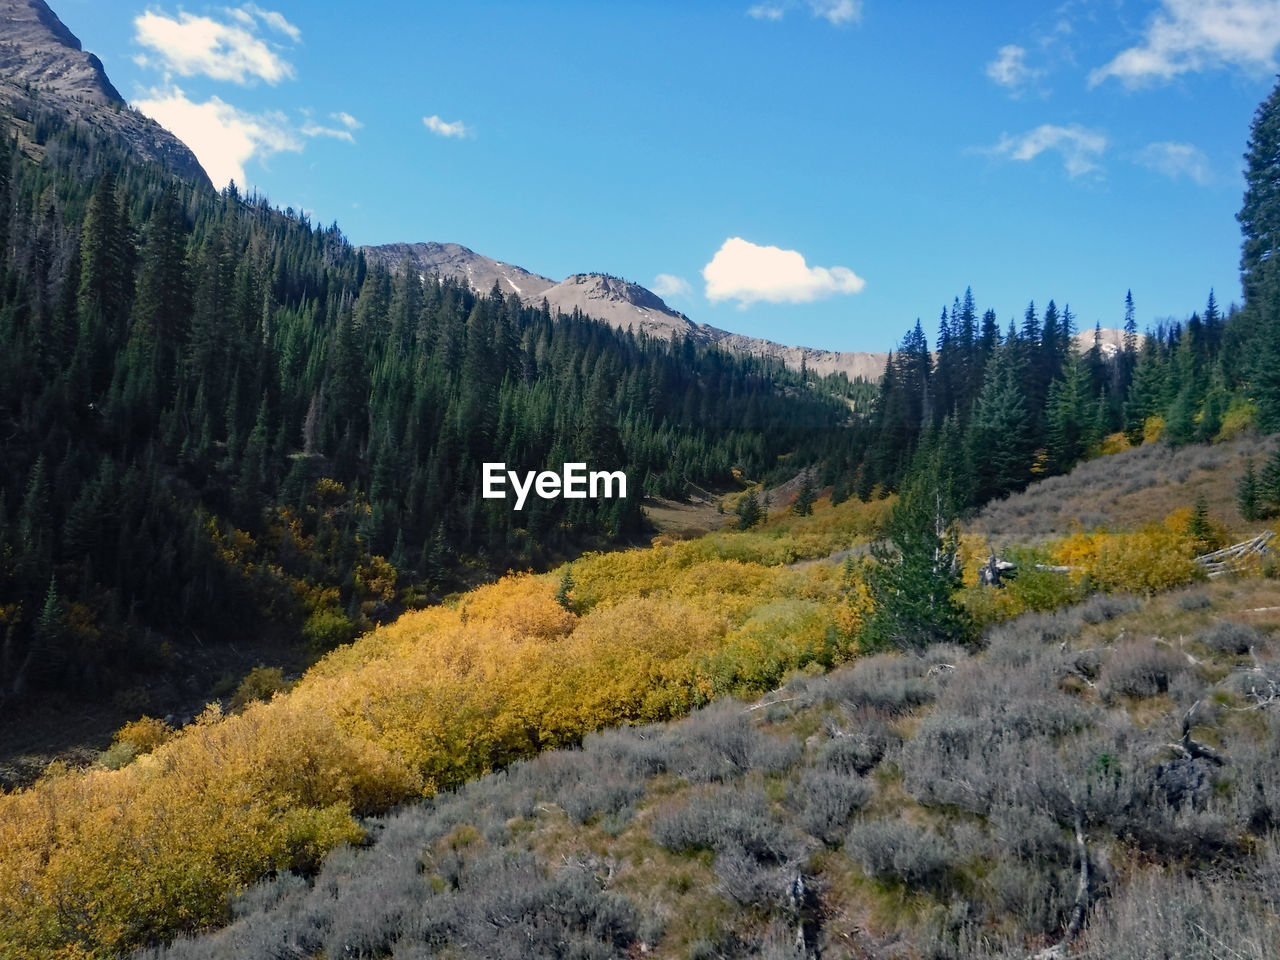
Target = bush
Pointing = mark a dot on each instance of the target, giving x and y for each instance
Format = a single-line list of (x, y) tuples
[(143, 734), (724, 820), (890, 684), (1195, 600), (826, 800), (1140, 668), (1102, 607), (719, 743), (892, 850), (260, 683), (856, 753), (1230, 638), (1158, 917)]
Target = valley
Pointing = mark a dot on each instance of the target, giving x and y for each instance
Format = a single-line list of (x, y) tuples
[(385, 600)]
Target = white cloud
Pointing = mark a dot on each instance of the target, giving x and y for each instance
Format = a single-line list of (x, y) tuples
[(222, 137), (1176, 160), (1194, 35), (1079, 147), (347, 120), (669, 285), (315, 130), (836, 12), (440, 128), (1009, 69), (271, 18), (749, 273), (191, 45)]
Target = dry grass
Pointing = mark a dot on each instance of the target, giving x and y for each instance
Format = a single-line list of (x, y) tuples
[(685, 519), (1129, 489)]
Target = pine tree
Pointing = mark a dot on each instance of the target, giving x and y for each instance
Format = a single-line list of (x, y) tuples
[(805, 497), (1216, 401), (1146, 392), (1269, 485), (1068, 413), (1259, 215), (1000, 439), (912, 584), (749, 511), (1199, 528), (1249, 494), (564, 592)]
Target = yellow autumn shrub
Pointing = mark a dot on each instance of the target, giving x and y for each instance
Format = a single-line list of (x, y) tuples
[(144, 734), (1156, 557), (95, 863)]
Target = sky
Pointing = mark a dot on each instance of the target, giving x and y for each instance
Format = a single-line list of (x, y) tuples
[(816, 172)]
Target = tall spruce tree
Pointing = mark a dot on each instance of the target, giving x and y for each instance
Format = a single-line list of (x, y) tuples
[(1259, 215), (913, 581)]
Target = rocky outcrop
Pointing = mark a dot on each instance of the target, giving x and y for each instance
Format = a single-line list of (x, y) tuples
[(44, 70)]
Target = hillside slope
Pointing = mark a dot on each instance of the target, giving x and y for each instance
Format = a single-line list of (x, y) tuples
[(954, 805), (1128, 489), (44, 70)]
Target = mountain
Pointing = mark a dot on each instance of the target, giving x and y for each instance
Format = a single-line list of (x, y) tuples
[(619, 303), (44, 70)]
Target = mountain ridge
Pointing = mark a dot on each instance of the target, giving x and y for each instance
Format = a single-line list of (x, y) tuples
[(619, 303), (45, 69)]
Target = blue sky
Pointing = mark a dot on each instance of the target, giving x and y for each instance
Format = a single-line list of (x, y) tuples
[(819, 172)]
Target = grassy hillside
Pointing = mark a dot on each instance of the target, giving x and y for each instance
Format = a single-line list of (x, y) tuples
[(953, 805), (1130, 488)]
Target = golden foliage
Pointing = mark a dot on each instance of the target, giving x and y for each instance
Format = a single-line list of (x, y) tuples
[(1115, 443), (97, 862), (1152, 429), (1241, 417), (144, 734), (1156, 557), (261, 683)]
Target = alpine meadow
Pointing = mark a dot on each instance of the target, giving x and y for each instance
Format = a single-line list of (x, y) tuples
[(368, 597)]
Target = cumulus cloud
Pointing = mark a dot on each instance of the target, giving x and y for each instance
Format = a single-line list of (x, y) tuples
[(1078, 146), (191, 45), (1009, 69), (748, 273), (1176, 160), (222, 137), (836, 12), (669, 285), (1194, 35), (440, 128), (347, 120)]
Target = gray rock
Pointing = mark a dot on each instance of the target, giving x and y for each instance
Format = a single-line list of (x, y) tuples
[(43, 68)]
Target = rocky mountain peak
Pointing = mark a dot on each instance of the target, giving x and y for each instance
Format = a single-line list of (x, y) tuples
[(44, 69), (36, 48)]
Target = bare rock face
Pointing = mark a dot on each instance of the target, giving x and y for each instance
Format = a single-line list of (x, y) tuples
[(454, 261), (868, 366), (43, 68), (617, 302), (621, 304)]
